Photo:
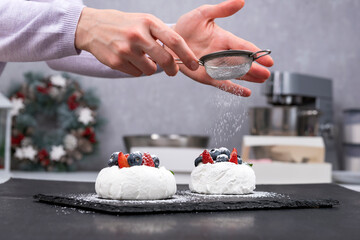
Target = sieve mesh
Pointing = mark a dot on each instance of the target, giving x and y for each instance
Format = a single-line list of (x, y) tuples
[(228, 67), (229, 64)]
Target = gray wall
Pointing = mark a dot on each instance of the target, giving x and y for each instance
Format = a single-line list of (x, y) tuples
[(317, 37)]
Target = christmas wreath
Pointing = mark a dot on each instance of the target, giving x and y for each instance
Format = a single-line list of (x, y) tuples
[(54, 123)]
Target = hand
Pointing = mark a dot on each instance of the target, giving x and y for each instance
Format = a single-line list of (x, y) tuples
[(203, 36), (121, 41)]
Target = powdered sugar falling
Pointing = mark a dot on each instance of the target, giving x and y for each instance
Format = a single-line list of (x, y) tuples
[(230, 113)]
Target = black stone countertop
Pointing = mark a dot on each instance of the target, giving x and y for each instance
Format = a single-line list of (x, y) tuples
[(23, 218)]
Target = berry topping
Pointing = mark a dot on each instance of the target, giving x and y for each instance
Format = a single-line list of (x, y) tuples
[(156, 160), (138, 154), (233, 156), (224, 150), (135, 159), (147, 160), (122, 161), (222, 158), (239, 159), (198, 160), (113, 161), (206, 157), (214, 153)]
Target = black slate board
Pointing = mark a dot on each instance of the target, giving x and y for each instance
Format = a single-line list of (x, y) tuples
[(185, 201)]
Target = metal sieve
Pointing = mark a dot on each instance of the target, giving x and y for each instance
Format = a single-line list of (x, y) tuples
[(229, 64)]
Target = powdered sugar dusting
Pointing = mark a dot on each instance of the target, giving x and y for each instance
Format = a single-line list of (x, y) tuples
[(68, 210), (255, 194), (181, 197), (94, 198)]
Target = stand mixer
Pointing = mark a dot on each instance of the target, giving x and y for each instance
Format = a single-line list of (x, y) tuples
[(300, 105)]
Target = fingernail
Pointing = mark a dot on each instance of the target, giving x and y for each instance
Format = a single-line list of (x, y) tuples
[(194, 65)]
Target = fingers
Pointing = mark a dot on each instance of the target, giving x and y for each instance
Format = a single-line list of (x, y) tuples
[(257, 74), (143, 63), (221, 10), (233, 88), (176, 43), (241, 44), (108, 57), (162, 57), (129, 68)]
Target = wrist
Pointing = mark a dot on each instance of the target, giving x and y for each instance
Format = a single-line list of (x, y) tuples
[(86, 22)]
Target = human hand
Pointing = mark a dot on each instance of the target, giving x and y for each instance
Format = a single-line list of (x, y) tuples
[(203, 36), (121, 41)]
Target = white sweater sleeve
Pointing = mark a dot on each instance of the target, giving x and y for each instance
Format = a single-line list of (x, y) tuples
[(36, 31)]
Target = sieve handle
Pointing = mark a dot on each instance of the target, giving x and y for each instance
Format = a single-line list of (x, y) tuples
[(178, 61), (266, 52)]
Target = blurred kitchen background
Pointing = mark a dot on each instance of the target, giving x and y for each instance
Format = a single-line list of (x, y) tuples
[(318, 38)]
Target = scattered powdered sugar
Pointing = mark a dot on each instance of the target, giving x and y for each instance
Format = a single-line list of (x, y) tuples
[(94, 198), (181, 197), (255, 194), (62, 210)]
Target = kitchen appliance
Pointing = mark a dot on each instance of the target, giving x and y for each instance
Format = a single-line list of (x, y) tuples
[(299, 105), (176, 152), (172, 140), (351, 139)]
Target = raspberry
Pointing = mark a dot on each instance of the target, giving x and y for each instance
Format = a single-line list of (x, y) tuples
[(147, 160), (122, 161), (206, 157), (233, 156)]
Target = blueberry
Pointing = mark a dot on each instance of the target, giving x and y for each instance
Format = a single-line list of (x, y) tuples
[(113, 161), (222, 158), (214, 153), (138, 154), (156, 160), (135, 159), (239, 159), (224, 150), (198, 160)]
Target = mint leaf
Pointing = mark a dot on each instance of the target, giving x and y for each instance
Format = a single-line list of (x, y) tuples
[(171, 172), (249, 164)]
